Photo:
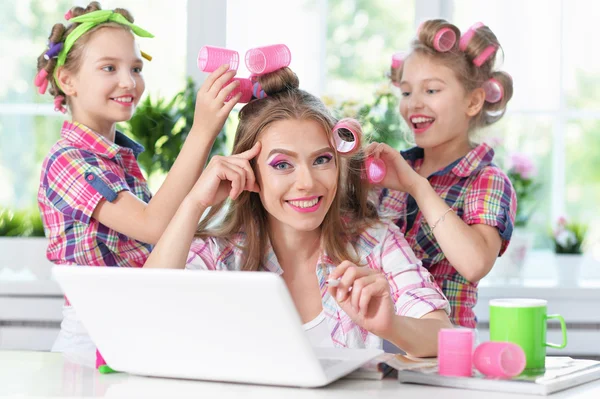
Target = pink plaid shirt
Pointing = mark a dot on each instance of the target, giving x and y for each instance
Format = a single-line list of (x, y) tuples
[(81, 169), (381, 248), (480, 193)]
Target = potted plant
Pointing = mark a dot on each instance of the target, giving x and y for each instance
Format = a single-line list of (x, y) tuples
[(568, 238), (522, 174), (162, 125)]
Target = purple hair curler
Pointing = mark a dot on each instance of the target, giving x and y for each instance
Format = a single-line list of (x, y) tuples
[(261, 60), (54, 50), (210, 58)]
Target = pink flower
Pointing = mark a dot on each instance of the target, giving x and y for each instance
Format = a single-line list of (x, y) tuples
[(522, 165), (562, 221)]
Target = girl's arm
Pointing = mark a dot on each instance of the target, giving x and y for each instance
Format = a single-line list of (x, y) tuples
[(471, 249), (223, 177), (146, 222)]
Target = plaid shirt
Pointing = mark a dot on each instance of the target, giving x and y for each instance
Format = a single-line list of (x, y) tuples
[(381, 248), (81, 169), (480, 193)]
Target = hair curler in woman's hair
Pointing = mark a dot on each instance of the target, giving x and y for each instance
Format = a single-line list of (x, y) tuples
[(262, 60), (493, 90), (376, 170), (210, 58), (245, 88), (444, 40), (346, 136)]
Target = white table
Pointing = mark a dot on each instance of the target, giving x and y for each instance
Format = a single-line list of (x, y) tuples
[(44, 374)]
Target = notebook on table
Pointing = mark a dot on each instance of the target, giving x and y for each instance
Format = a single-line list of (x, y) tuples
[(561, 373), (218, 326)]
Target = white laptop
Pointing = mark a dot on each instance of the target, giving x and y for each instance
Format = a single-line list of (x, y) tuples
[(218, 326)]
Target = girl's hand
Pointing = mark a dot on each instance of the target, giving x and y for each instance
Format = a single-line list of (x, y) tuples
[(211, 109), (364, 294), (400, 175), (226, 176)]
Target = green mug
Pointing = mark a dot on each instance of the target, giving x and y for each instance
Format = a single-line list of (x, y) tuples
[(523, 322)]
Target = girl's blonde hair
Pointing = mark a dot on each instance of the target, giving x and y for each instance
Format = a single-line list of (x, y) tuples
[(350, 212), (461, 62), (74, 59)]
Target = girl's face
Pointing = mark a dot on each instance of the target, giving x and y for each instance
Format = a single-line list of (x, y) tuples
[(109, 83), (297, 173), (434, 104)]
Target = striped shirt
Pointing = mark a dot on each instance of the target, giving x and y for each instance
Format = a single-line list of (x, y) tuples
[(479, 193), (382, 248), (81, 169)]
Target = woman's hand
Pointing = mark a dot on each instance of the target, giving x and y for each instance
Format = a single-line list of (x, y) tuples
[(226, 176), (211, 109), (400, 175), (364, 294)]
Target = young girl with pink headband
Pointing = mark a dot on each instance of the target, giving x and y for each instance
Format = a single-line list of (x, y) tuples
[(96, 206), (455, 207)]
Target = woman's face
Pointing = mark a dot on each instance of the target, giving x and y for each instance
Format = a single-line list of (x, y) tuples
[(297, 173)]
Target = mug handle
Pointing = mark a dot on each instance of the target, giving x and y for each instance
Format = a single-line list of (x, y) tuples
[(563, 328)]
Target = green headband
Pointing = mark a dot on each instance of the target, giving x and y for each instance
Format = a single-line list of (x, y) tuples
[(89, 21)]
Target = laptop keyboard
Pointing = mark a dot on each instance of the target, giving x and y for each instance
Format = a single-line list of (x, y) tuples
[(329, 363)]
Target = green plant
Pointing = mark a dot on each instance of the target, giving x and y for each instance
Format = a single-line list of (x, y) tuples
[(522, 174), (568, 237), (21, 223), (162, 126), (380, 118)]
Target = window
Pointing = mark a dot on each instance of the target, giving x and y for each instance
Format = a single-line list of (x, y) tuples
[(554, 115)]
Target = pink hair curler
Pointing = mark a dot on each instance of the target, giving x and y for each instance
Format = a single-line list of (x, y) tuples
[(484, 56), (58, 107), (493, 90), (42, 88), (68, 15), (398, 59), (245, 88), (261, 60), (499, 359), (40, 77), (210, 58), (346, 136), (468, 35), (455, 351), (444, 40), (376, 170)]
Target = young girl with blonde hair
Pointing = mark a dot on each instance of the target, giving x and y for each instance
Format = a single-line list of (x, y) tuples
[(455, 207)]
